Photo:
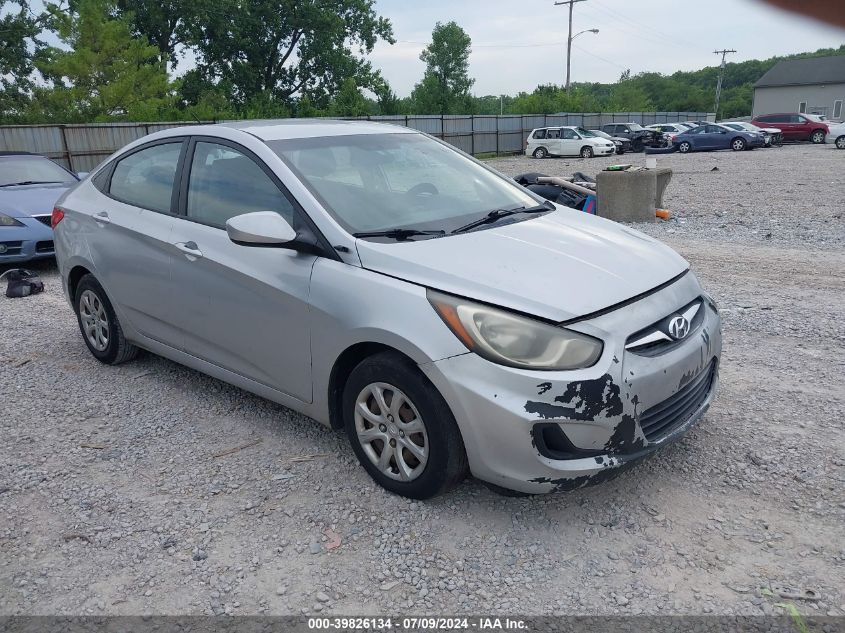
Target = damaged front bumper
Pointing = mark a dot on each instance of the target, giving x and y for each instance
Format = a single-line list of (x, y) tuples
[(538, 432)]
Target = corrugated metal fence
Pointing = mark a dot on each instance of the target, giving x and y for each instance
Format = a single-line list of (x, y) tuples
[(81, 147)]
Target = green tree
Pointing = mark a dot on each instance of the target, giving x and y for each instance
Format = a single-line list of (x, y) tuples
[(388, 102), (445, 86), (19, 31), (286, 48), (349, 101), (104, 72), (162, 22)]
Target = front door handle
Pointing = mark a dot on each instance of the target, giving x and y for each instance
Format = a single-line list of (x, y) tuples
[(189, 248), (102, 217)]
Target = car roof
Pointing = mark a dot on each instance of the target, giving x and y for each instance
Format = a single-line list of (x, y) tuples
[(282, 129)]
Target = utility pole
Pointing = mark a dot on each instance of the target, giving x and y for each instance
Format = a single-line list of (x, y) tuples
[(722, 52), (568, 39)]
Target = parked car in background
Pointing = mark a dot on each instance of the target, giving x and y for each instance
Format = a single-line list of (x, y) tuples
[(639, 136), (566, 141), (836, 135), (622, 144), (264, 253), (29, 186), (714, 136), (668, 130), (794, 126), (767, 133)]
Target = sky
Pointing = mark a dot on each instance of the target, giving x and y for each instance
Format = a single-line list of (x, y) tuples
[(520, 44)]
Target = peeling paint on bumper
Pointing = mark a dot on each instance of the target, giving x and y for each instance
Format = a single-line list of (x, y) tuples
[(598, 409)]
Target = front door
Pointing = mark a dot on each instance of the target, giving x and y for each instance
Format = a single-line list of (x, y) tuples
[(570, 142), (239, 307)]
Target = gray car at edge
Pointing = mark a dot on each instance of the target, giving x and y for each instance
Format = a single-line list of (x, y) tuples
[(380, 281)]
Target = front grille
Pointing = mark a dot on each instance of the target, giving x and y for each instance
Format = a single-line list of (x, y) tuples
[(663, 418), (655, 340), (44, 247), (44, 219), (11, 248)]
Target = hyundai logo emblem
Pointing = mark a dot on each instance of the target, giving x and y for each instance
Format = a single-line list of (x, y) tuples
[(678, 328)]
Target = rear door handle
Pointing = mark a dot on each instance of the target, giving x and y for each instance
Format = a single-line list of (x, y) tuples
[(102, 217), (189, 248)]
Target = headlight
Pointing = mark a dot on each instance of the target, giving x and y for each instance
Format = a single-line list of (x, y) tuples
[(516, 341), (7, 220)]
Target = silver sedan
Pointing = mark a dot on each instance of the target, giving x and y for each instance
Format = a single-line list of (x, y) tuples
[(382, 282)]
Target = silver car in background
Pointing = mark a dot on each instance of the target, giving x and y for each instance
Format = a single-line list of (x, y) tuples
[(380, 281)]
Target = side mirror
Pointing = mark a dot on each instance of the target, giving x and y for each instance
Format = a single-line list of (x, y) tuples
[(261, 228)]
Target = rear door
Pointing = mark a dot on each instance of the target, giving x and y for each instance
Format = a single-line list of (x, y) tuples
[(241, 308), (553, 141), (129, 235)]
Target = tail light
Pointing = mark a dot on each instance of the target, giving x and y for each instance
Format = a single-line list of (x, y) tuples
[(57, 216), (673, 137)]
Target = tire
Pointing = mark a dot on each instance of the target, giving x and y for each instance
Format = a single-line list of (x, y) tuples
[(434, 433), (739, 144), (540, 152), (684, 147), (98, 324), (620, 151), (817, 137), (840, 142), (587, 152)]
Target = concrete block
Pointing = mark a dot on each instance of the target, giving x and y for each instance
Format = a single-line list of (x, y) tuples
[(631, 196)]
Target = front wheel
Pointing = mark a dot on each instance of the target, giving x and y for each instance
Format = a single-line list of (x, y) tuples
[(401, 429), (540, 152), (586, 152), (98, 323), (684, 147), (840, 142), (738, 144), (817, 137)]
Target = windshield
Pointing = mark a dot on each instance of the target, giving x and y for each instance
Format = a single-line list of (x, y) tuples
[(585, 133), (600, 133), (378, 182), (31, 169), (636, 127)]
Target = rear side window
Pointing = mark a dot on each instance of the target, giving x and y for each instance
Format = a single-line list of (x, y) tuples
[(539, 134), (225, 183), (553, 134), (145, 178)]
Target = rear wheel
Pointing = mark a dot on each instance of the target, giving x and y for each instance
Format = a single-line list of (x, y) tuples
[(840, 142), (540, 152), (98, 323), (684, 147), (817, 137), (401, 429), (738, 144), (586, 152)]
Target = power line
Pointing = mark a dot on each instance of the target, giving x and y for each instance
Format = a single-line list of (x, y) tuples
[(571, 3), (722, 52)]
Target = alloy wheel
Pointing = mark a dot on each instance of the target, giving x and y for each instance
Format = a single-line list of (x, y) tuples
[(738, 145), (391, 431), (95, 321), (818, 136), (684, 147)]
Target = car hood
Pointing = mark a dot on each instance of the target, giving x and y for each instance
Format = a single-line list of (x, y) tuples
[(559, 266), (27, 200)]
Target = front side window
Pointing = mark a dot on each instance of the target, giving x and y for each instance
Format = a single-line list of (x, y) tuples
[(797, 119), (377, 182), (225, 183), (145, 178), (24, 169), (570, 135)]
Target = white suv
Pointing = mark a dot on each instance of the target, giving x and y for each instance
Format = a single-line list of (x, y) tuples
[(566, 141)]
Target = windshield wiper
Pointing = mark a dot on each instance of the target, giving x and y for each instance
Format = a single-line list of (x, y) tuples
[(32, 182), (398, 234), (497, 214)]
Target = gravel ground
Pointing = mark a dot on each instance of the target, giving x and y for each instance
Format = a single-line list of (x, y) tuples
[(149, 488)]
